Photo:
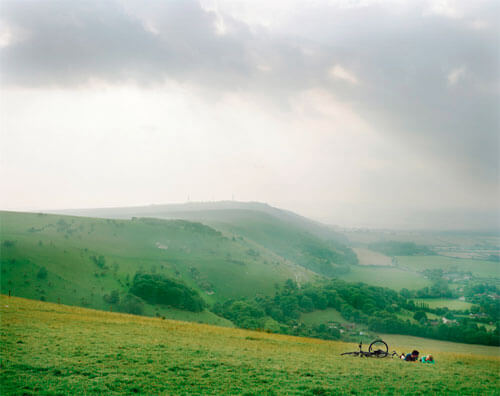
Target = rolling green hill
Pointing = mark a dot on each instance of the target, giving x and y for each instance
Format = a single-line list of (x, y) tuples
[(55, 349), (307, 243), (85, 259), (220, 212)]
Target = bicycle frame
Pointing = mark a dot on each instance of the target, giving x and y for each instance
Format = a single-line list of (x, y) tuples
[(379, 353)]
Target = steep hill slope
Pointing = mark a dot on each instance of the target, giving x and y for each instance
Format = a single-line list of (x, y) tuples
[(54, 349), (310, 244), (85, 259)]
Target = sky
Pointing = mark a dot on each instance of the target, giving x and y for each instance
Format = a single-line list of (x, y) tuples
[(360, 113)]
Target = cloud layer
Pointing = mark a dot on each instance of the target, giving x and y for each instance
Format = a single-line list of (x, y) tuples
[(421, 79)]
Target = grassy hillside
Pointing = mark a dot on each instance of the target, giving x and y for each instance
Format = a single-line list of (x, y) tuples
[(87, 258), (310, 244), (54, 349), (221, 211)]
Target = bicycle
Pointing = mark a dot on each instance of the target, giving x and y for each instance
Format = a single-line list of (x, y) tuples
[(377, 348)]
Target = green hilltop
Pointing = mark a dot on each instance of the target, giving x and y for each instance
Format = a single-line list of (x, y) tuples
[(308, 243)]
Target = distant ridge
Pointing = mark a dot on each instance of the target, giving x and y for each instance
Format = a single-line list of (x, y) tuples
[(210, 213)]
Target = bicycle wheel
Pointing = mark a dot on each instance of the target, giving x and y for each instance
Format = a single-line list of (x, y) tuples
[(378, 348)]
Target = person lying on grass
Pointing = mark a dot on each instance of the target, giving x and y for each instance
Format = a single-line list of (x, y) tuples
[(428, 359), (412, 357)]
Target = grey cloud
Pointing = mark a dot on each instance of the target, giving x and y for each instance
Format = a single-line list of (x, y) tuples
[(403, 61), (401, 58), (68, 43)]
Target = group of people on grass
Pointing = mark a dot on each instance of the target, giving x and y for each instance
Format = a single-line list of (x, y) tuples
[(413, 357)]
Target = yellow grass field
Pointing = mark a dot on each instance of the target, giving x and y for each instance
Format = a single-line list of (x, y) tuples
[(53, 349)]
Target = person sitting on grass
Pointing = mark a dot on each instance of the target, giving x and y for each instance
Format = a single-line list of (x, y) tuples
[(428, 359), (412, 357)]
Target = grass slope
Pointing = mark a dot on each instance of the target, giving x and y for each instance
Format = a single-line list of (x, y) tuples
[(221, 211), (53, 349), (217, 266), (305, 242)]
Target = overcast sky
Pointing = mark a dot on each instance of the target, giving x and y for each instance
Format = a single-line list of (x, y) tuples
[(356, 113)]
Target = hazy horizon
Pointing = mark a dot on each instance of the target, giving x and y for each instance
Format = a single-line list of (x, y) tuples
[(81, 211), (378, 114)]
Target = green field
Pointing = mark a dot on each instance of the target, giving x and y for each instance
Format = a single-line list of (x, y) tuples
[(322, 316), (408, 315), (393, 278), (459, 240), (452, 304), (479, 268), (53, 349)]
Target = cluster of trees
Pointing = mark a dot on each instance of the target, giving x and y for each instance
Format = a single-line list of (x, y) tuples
[(112, 298), (354, 301), (327, 258), (439, 289), (182, 225), (375, 307), (395, 248), (464, 330), (100, 261), (42, 273), (280, 313), (159, 289), (131, 304), (486, 296), (8, 243)]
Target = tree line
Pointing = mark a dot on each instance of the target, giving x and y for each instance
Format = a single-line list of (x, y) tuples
[(376, 307)]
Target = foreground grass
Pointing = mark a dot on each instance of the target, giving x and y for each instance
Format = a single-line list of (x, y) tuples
[(52, 349)]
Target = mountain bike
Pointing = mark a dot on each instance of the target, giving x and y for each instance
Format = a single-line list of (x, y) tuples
[(377, 348)]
